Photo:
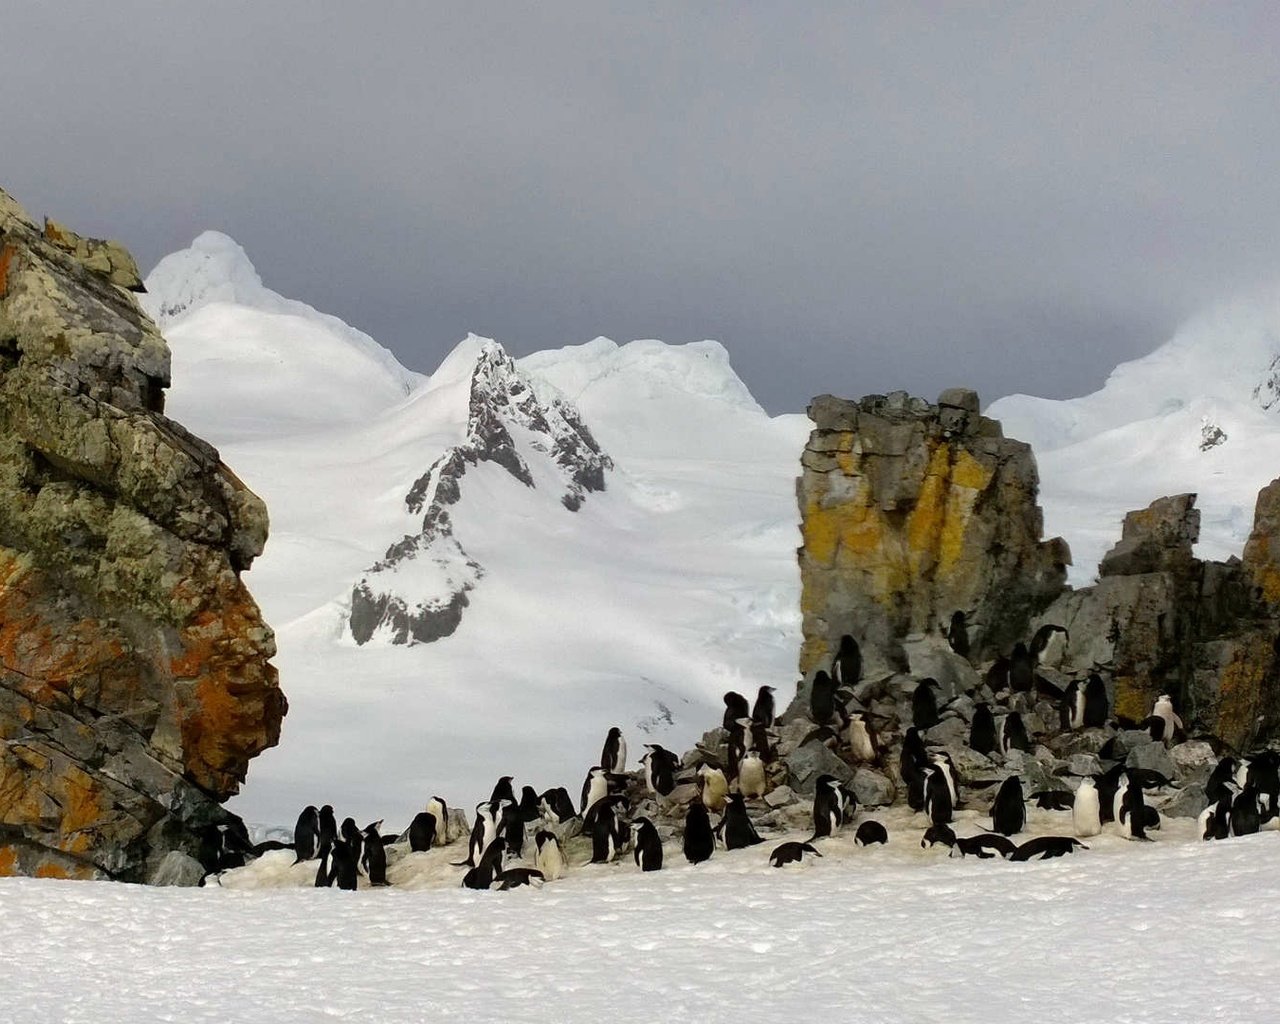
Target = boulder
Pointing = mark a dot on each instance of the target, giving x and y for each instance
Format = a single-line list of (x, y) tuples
[(1153, 757), (872, 788), (805, 764), (135, 674), (1188, 802)]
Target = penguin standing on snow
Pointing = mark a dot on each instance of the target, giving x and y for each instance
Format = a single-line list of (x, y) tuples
[(982, 731), (1086, 811), (306, 834), (736, 826), (1132, 814), (937, 796), (487, 867), (647, 845), (374, 856), (607, 830), (613, 758), (550, 856), (699, 841), (328, 826), (353, 837), (1009, 812), (828, 814), (913, 759)]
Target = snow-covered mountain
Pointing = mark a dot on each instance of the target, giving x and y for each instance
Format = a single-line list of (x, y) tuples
[(1201, 414), (620, 519)]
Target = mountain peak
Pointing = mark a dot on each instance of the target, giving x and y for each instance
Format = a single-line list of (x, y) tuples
[(213, 268)]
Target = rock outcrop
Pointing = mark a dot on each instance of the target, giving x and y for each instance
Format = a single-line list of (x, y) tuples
[(911, 512), (1159, 620), (417, 592), (135, 682)]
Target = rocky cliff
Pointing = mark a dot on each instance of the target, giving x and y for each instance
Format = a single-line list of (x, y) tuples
[(135, 682), (911, 512)]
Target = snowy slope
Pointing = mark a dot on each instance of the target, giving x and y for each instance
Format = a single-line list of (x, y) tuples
[(1137, 933), (1146, 433), (675, 583)]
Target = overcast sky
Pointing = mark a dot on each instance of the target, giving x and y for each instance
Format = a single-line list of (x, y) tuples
[(851, 198)]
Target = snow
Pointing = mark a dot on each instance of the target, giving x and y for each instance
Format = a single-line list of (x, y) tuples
[(1139, 437), (1165, 931)]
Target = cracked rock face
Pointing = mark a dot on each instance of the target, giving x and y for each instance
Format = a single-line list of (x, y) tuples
[(419, 590), (135, 682), (911, 512)]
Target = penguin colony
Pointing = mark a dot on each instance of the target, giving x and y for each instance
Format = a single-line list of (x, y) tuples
[(731, 778)]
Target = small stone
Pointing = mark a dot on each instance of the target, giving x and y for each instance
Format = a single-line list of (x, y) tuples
[(779, 796), (959, 398)]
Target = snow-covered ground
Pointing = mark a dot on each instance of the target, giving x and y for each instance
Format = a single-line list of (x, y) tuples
[(1167, 931)]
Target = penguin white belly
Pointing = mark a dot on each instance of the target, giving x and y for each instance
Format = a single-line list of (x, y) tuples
[(433, 808), (1077, 713), (598, 791), (860, 741), (751, 777), (715, 788), (1085, 813), (550, 861)]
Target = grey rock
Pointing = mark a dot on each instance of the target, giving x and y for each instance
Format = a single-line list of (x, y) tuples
[(1084, 764), (779, 796), (872, 788), (1192, 755), (1154, 757), (177, 869), (1187, 803), (949, 732), (808, 762)]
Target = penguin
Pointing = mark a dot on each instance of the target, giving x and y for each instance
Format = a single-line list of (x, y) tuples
[(937, 796), (982, 731), (958, 634), (487, 866), (440, 811), (1244, 812), (513, 878), (482, 835), (912, 761), (997, 677), (822, 698), (1133, 810), (924, 705), (714, 787), (328, 826), (1073, 706), (938, 832), (322, 869), (986, 846), (699, 841), (848, 804), (862, 739), (353, 837), (342, 865), (1264, 778), (605, 828), (1045, 847), (791, 853), (762, 713), (751, 776), (557, 806), (740, 742), (306, 834), (646, 845), (828, 814), (1021, 669), (374, 857), (1172, 723), (846, 667), (869, 833), (660, 767), (422, 831), (1107, 783), (550, 856), (511, 827), (502, 790), (1215, 820), (735, 707), (944, 764), (613, 758), (1054, 799), (1009, 812), (1013, 734), (594, 788), (1118, 798), (1095, 702), (1049, 644), (530, 805), (736, 826), (1085, 812), (762, 742)]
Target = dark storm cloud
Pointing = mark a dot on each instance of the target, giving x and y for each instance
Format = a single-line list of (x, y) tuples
[(851, 199)]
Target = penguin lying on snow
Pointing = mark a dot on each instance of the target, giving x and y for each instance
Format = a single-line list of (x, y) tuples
[(1045, 847), (791, 853), (1054, 799), (870, 833)]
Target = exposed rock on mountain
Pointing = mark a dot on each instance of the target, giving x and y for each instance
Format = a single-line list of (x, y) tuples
[(911, 512), (135, 684), (418, 591)]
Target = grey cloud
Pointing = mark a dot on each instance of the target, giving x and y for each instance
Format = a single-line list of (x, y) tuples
[(853, 198)]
